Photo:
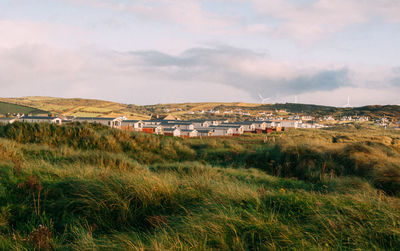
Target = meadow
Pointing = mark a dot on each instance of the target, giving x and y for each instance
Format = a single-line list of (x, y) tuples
[(88, 187), (6, 108)]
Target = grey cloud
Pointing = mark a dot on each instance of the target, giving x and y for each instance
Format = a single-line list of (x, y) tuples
[(193, 57), (396, 79), (396, 82), (201, 74), (221, 65)]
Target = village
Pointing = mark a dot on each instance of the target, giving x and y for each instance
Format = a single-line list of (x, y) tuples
[(170, 125)]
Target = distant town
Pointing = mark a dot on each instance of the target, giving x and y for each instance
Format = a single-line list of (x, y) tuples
[(171, 125)]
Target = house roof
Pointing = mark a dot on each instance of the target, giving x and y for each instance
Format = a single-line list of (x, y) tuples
[(39, 117), (225, 126), (244, 123), (170, 129), (188, 130), (151, 126), (131, 121), (204, 130), (94, 118)]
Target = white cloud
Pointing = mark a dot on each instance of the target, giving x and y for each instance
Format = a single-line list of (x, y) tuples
[(310, 21), (199, 74), (304, 21), (19, 32), (188, 14)]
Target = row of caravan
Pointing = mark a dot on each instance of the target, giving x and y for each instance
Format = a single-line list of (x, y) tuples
[(177, 128)]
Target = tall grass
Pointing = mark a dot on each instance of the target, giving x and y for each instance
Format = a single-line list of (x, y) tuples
[(85, 187)]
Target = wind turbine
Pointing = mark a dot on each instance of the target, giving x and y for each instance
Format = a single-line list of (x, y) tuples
[(263, 100), (348, 103), (295, 99)]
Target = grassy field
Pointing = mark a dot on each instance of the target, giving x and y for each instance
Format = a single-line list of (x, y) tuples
[(78, 107), (6, 108), (87, 187)]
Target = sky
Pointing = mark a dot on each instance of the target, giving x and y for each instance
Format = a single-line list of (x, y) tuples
[(173, 51)]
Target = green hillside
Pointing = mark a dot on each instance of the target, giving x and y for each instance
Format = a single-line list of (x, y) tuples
[(6, 108)]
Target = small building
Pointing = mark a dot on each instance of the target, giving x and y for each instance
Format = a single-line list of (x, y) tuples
[(110, 122), (236, 129), (132, 125), (178, 124), (242, 127), (153, 129), (176, 132), (290, 123), (41, 119), (200, 123), (204, 132), (222, 130), (260, 125), (187, 133)]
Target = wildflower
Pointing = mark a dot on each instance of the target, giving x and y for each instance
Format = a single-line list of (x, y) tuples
[(283, 190)]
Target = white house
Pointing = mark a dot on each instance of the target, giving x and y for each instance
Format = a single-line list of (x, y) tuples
[(180, 125), (290, 123), (200, 123), (41, 119), (247, 126), (132, 125), (111, 122), (222, 130), (153, 129), (176, 132), (204, 132), (260, 125), (188, 133)]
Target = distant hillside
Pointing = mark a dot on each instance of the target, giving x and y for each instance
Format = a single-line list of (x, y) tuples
[(374, 111), (392, 111), (6, 108), (100, 108), (79, 107)]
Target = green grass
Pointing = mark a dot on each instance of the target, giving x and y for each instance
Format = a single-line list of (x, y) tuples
[(6, 108), (94, 188)]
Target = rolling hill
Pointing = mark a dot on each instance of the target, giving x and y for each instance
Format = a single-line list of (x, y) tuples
[(78, 107), (101, 108)]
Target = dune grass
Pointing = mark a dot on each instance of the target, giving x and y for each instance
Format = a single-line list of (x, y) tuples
[(85, 187)]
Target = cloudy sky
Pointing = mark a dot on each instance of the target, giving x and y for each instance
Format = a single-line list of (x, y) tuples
[(161, 51)]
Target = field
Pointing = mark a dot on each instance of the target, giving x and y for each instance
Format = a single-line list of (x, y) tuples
[(78, 107), (87, 187), (6, 108)]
